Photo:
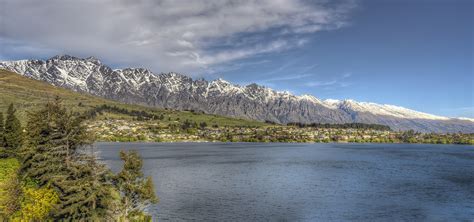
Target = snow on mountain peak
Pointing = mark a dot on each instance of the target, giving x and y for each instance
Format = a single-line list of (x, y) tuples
[(465, 118), (310, 98), (382, 109), (331, 103), (221, 81), (93, 60), (173, 90)]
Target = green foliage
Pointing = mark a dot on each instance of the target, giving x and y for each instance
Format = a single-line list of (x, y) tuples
[(85, 193), (136, 191), (13, 137), (2, 130), (53, 136), (10, 188), (8, 167), (51, 157), (22, 200), (37, 204), (10, 191), (342, 126), (202, 125), (72, 185)]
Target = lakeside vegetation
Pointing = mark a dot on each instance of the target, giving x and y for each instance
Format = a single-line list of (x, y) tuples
[(48, 173), (112, 128)]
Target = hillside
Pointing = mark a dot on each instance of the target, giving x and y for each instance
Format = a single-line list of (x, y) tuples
[(179, 92), (114, 121), (28, 94)]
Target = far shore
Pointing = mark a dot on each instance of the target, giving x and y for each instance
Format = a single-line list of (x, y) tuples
[(217, 142)]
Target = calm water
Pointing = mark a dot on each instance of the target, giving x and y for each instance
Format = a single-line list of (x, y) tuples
[(306, 182)]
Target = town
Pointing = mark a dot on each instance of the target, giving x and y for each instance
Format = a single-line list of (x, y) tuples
[(121, 130)]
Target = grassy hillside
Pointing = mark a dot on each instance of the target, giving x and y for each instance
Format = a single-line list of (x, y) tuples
[(28, 94), (114, 121)]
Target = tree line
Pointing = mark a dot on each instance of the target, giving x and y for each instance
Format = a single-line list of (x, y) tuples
[(10, 131), (342, 126), (59, 177), (140, 115)]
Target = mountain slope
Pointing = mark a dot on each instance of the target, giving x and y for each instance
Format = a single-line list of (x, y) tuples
[(175, 91), (29, 94)]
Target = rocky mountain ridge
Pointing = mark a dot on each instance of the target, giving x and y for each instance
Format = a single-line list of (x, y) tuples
[(176, 91)]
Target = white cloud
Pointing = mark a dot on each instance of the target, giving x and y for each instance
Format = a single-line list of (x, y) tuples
[(288, 77), (322, 83), (234, 54), (346, 75), (338, 82), (165, 35)]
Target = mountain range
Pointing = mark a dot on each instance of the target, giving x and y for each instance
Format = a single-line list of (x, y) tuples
[(176, 91)]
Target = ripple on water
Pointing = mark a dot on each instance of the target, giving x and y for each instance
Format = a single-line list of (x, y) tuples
[(306, 182)]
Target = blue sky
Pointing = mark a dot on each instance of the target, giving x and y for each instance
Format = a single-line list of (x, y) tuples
[(417, 54)]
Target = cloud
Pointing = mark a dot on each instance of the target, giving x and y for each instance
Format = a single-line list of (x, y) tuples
[(346, 75), (165, 35), (235, 54), (322, 83), (338, 82), (290, 77), (217, 70), (285, 72)]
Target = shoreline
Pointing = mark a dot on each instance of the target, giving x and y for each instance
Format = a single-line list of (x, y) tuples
[(217, 142)]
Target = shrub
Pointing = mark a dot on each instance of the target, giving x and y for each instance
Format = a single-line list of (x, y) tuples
[(37, 204)]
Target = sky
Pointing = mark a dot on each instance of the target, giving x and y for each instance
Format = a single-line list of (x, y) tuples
[(412, 53)]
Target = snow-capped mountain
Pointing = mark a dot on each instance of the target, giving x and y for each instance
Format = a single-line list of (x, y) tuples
[(176, 91)]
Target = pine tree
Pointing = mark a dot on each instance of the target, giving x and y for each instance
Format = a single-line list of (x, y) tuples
[(87, 190), (51, 157), (137, 192), (13, 132), (52, 139), (87, 193)]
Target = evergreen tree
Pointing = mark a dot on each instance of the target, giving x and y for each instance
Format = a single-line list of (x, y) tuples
[(203, 125), (136, 191), (86, 194), (52, 139), (13, 137), (51, 157), (54, 156)]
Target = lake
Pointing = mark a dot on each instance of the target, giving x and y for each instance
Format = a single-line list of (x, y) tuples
[(306, 182)]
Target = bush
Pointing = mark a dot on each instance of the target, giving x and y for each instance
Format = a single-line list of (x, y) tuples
[(8, 167), (37, 204), (9, 187)]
